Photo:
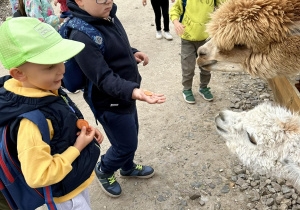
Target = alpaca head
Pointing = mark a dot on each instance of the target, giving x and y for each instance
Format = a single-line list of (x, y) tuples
[(254, 35), (265, 139)]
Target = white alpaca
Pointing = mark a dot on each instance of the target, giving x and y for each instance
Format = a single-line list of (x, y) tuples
[(266, 139)]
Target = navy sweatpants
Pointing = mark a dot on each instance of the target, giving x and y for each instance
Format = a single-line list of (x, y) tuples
[(122, 132)]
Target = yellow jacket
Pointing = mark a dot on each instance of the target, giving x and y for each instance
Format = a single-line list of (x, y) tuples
[(195, 17), (44, 169)]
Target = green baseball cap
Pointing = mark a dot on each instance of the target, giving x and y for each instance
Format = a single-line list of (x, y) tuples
[(26, 39)]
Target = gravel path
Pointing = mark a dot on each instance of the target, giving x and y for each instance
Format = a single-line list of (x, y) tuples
[(194, 169)]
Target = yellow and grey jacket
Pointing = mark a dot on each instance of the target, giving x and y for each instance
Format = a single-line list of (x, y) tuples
[(196, 15)]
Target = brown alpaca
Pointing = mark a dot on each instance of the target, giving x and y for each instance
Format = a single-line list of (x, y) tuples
[(261, 37)]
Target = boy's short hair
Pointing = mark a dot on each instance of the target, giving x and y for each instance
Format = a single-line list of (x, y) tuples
[(26, 39)]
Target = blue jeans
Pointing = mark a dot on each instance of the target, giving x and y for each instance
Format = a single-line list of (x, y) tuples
[(122, 132)]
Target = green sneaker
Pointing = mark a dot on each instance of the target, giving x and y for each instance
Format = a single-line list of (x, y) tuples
[(206, 94), (188, 96)]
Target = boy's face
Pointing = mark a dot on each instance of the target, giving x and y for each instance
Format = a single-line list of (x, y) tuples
[(40, 76), (95, 9)]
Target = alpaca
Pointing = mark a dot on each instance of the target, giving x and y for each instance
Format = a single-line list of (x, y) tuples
[(261, 37), (266, 139)]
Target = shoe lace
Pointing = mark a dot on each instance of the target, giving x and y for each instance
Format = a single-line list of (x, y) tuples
[(139, 167), (111, 179)]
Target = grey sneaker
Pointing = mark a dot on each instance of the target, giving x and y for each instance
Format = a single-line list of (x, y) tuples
[(138, 171), (108, 182), (206, 94), (188, 96)]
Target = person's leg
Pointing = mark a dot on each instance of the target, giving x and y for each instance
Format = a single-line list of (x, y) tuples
[(122, 132), (165, 13), (79, 202), (157, 12), (188, 62), (205, 76)]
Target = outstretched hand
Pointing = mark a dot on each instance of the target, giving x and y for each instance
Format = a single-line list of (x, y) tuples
[(140, 56), (152, 98)]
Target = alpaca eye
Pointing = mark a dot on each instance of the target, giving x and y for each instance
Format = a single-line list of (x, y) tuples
[(251, 139)]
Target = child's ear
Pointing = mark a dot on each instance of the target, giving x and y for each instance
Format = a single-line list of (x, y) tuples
[(17, 74)]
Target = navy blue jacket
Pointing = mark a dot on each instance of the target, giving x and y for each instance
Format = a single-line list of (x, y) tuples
[(115, 73), (63, 120)]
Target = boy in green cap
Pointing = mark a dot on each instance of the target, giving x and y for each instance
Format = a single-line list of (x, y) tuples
[(34, 54)]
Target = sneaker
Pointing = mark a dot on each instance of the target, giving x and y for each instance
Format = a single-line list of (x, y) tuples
[(188, 96), (168, 36), (206, 94), (138, 171), (158, 35), (108, 182)]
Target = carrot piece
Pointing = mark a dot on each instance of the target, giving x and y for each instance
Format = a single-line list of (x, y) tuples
[(81, 122), (148, 93)]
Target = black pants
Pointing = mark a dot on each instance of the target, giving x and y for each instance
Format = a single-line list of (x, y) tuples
[(158, 7)]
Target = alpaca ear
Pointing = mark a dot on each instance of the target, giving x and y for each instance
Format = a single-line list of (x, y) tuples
[(290, 125)]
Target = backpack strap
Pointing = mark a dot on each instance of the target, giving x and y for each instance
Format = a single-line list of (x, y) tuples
[(183, 5), (37, 117), (88, 29)]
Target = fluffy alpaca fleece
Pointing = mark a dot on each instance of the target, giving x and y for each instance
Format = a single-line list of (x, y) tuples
[(267, 29), (266, 139)]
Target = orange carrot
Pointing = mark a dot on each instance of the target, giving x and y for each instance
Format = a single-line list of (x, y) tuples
[(81, 122), (148, 93)]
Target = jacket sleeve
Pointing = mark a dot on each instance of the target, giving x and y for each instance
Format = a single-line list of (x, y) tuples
[(94, 66), (134, 50), (176, 10), (39, 167), (33, 8)]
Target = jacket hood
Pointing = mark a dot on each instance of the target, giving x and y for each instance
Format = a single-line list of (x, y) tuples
[(12, 105), (77, 12)]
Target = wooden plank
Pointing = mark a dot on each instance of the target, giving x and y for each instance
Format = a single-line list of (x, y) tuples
[(285, 93)]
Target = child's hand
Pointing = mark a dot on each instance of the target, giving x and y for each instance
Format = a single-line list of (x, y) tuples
[(144, 2), (55, 2), (140, 56), (98, 136), (179, 28), (152, 98), (173, 1), (85, 137)]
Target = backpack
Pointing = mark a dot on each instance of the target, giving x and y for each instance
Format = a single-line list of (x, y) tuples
[(74, 79), (12, 182), (184, 5)]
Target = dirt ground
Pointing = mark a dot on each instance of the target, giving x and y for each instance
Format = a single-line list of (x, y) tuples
[(177, 139)]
